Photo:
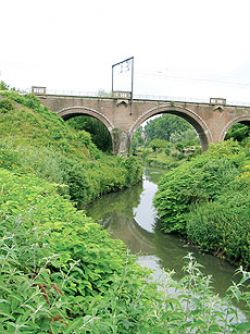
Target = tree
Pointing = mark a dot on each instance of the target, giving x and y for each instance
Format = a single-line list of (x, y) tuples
[(169, 127), (158, 144), (138, 139), (238, 132), (3, 85)]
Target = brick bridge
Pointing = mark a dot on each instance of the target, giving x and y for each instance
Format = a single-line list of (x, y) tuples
[(123, 116)]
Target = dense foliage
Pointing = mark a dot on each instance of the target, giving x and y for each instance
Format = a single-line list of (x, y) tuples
[(60, 272), (166, 141), (169, 127), (3, 85), (99, 133), (238, 132), (207, 199), (34, 140), (55, 261), (163, 153)]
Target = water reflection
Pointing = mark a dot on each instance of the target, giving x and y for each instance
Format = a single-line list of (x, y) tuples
[(130, 216)]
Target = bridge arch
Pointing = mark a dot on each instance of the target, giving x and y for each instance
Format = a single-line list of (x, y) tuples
[(70, 112), (187, 114), (244, 119)]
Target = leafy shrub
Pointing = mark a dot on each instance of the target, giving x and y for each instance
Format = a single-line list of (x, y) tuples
[(195, 181), (53, 245), (61, 273), (39, 142), (6, 105), (77, 181), (207, 200), (157, 144), (133, 170), (223, 226), (3, 85), (238, 132)]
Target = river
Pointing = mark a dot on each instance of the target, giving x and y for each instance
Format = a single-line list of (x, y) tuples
[(129, 215)]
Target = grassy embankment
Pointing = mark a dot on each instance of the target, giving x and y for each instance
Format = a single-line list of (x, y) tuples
[(36, 141), (208, 200), (59, 271)]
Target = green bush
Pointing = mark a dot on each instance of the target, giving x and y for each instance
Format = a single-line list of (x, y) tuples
[(133, 170), (238, 132), (195, 181), (3, 85), (6, 105), (223, 226), (34, 140), (61, 273), (157, 144), (57, 251), (207, 200)]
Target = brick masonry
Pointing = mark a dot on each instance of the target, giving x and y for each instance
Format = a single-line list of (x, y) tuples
[(120, 116)]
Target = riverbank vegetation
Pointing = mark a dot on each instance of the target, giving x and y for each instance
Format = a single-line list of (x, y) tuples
[(36, 141), (203, 197), (207, 200), (62, 273)]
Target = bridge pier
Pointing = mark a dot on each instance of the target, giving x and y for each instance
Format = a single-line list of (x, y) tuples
[(121, 142)]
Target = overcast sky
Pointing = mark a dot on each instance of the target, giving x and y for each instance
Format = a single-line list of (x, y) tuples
[(182, 48)]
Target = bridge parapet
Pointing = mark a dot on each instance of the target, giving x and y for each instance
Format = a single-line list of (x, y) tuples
[(218, 101), (38, 90), (122, 95)]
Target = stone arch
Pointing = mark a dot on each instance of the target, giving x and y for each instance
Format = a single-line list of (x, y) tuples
[(245, 119), (70, 112), (189, 115)]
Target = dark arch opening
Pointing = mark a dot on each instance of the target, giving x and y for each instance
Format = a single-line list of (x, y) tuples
[(99, 132), (238, 131)]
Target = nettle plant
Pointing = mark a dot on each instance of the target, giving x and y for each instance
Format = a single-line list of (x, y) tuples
[(192, 307), (60, 273), (30, 301)]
